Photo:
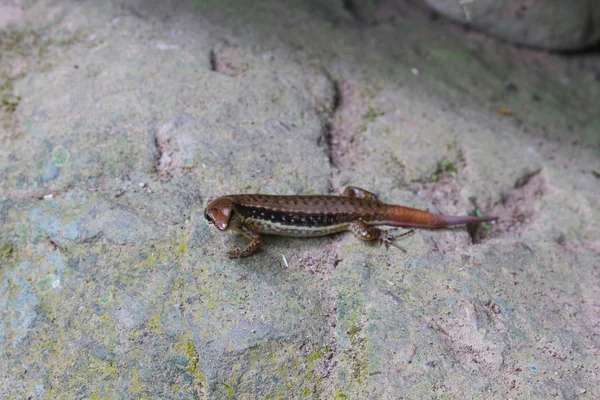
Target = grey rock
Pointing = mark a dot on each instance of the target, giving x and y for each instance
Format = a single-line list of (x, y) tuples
[(50, 173), (113, 285), (546, 24)]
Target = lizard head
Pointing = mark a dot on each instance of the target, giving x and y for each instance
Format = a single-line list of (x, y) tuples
[(220, 212)]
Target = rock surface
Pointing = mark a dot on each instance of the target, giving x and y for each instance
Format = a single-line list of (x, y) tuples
[(543, 24), (546, 24), (120, 120)]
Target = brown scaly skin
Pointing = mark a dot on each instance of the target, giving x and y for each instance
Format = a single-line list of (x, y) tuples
[(310, 216)]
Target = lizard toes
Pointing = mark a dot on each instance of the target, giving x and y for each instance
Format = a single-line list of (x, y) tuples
[(235, 253), (386, 238)]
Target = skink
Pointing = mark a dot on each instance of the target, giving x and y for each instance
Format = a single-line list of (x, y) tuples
[(310, 216)]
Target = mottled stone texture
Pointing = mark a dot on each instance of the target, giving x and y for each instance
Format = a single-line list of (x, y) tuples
[(120, 120), (547, 24)]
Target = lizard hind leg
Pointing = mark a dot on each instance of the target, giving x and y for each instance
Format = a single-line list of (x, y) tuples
[(243, 252), (353, 191), (370, 233)]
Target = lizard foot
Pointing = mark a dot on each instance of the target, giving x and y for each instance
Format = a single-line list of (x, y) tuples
[(388, 239)]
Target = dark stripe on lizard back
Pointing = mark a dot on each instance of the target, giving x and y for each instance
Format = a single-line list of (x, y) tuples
[(295, 218)]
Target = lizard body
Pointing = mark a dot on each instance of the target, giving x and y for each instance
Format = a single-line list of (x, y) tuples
[(315, 215)]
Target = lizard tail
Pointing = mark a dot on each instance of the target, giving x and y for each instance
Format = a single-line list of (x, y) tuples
[(411, 217)]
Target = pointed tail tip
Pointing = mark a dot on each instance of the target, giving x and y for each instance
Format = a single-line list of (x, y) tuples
[(458, 220)]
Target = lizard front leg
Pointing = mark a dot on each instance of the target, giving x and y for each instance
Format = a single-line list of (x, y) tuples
[(369, 233), (251, 248)]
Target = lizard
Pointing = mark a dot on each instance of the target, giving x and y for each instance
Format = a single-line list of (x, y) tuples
[(356, 209)]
